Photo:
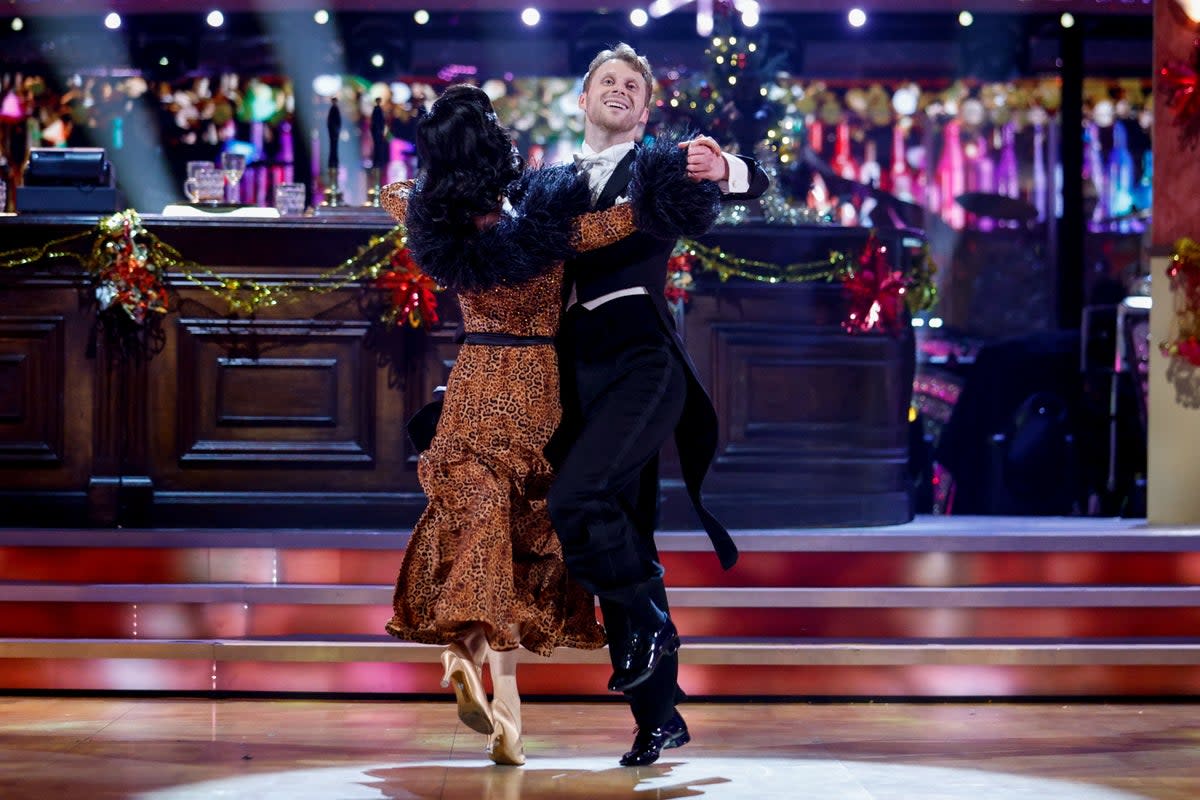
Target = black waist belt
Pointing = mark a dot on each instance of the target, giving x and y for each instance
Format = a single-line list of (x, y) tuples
[(506, 339)]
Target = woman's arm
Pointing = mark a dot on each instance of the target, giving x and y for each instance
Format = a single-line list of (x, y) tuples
[(394, 199), (597, 229)]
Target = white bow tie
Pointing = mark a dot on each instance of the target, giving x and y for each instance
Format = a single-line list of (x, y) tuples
[(587, 163)]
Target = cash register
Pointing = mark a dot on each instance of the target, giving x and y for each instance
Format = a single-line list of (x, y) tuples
[(68, 180)]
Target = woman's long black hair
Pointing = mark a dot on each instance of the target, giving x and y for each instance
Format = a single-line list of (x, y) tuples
[(467, 157)]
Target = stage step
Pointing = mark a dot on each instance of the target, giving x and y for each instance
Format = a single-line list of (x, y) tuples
[(779, 668), (1030, 596), (751, 652), (942, 607)]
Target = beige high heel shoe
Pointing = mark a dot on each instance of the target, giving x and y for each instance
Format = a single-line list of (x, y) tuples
[(467, 679), (505, 746)]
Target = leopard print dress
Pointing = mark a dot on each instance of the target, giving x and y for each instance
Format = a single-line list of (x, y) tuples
[(484, 550)]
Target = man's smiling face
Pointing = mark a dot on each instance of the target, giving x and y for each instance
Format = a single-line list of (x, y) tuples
[(615, 98)]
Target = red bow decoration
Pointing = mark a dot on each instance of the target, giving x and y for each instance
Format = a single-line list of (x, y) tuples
[(412, 292), (875, 291), (1180, 85), (679, 278)]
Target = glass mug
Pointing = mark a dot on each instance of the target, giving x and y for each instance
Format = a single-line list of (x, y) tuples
[(205, 186), (290, 199), (192, 168)]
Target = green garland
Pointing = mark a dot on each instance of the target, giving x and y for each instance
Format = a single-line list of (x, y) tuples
[(727, 266), (125, 231), (920, 287), (128, 264)]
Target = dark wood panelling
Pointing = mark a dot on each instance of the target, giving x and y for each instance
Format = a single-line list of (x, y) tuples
[(296, 417), (31, 391), (12, 387), (309, 403)]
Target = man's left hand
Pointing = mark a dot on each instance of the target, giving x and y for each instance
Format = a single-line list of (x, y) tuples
[(705, 162)]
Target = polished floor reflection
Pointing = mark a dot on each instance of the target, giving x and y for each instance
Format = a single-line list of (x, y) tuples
[(296, 749)]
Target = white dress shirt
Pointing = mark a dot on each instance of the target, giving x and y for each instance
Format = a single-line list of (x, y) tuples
[(599, 168)]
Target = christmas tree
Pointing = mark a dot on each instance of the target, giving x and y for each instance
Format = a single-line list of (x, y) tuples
[(730, 99)]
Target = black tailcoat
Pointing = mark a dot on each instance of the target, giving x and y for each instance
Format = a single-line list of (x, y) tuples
[(641, 260)]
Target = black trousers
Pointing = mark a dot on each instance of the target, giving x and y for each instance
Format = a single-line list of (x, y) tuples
[(625, 387)]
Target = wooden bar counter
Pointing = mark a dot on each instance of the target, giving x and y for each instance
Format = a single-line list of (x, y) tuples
[(295, 417)]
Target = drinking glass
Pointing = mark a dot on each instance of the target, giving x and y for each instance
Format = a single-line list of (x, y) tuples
[(192, 168), (290, 199), (233, 165), (206, 186)]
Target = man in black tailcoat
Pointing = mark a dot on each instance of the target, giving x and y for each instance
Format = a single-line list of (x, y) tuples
[(628, 385)]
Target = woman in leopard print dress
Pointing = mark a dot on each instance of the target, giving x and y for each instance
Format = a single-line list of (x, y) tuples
[(483, 572)]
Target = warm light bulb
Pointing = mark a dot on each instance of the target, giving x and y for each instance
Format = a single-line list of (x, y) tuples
[(421, 16), (1191, 8)]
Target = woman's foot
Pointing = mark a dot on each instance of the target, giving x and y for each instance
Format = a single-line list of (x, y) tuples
[(467, 679), (505, 746)]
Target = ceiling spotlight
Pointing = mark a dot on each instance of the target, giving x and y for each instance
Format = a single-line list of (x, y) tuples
[(17, 23), (965, 18), (750, 18), (321, 17), (215, 19), (112, 21), (377, 60), (857, 17), (638, 17), (531, 16), (1067, 20), (1191, 8), (421, 16), (660, 8)]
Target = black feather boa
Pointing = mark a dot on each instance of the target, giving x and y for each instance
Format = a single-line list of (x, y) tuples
[(522, 246), (666, 203)]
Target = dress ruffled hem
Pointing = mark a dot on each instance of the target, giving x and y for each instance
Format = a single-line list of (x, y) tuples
[(501, 641)]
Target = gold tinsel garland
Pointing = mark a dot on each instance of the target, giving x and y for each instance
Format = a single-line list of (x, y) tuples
[(916, 285), (384, 266), (726, 266), (241, 295)]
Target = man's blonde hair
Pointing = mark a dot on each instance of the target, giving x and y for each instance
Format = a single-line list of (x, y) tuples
[(622, 52)]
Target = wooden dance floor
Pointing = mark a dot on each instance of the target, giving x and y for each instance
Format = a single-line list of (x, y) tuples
[(100, 748)]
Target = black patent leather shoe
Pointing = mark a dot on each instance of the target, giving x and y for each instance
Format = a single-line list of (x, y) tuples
[(643, 650), (648, 745)]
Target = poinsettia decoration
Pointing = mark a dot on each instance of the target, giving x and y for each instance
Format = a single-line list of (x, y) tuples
[(1180, 84), (411, 292), (679, 278), (875, 290)]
